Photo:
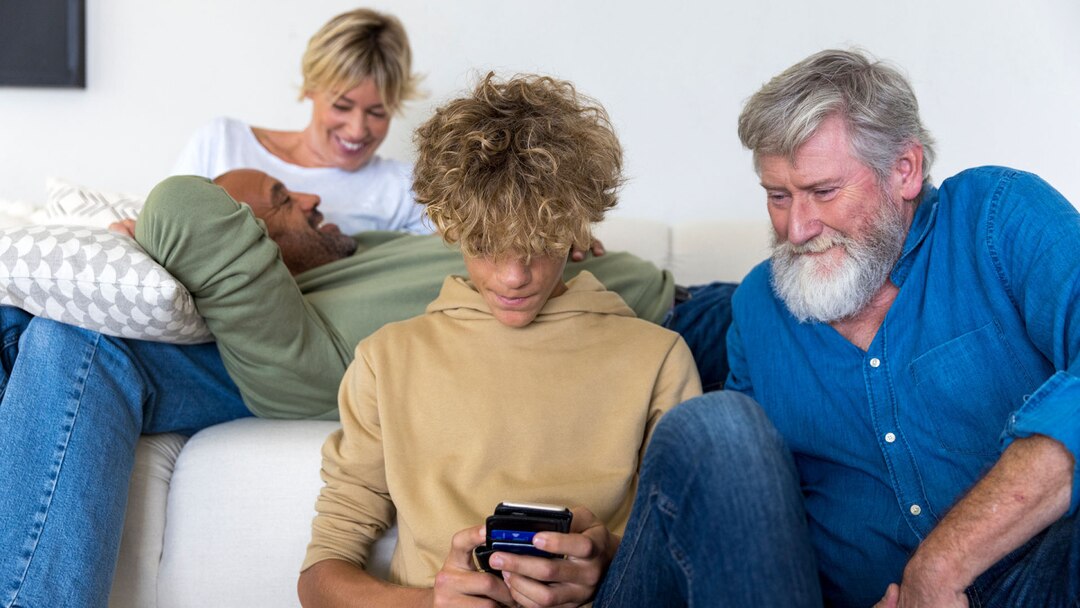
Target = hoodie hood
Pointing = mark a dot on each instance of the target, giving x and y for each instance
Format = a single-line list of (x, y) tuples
[(584, 294)]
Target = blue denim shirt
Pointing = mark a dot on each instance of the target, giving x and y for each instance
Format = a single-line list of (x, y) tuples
[(981, 346)]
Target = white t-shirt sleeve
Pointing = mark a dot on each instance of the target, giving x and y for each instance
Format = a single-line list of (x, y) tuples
[(418, 223), (410, 215)]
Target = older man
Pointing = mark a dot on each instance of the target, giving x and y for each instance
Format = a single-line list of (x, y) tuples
[(916, 347)]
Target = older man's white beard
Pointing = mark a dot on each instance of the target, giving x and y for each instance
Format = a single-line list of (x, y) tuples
[(820, 290)]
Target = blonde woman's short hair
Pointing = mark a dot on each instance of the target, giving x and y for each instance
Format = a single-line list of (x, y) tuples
[(358, 45), (521, 167)]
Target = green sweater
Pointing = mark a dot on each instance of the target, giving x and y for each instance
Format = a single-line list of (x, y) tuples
[(287, 341)]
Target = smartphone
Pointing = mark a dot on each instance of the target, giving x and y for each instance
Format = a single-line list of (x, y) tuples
[(511, 529)]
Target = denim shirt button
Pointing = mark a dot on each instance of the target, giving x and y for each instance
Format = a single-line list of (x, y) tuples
[(875, 362), (915, 509), (890, 437)]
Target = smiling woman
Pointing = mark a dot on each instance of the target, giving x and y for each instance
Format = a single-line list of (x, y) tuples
[(357, 73)]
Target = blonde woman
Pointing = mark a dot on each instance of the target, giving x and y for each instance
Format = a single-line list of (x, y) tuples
[(357, 74)]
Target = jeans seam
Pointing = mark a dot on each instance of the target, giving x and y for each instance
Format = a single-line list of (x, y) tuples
[(678, 554), (10, 341), (58, 466), (973, 597), (12, 335), (619, 576)]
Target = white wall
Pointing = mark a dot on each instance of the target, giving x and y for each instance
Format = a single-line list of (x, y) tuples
[(999, 82)]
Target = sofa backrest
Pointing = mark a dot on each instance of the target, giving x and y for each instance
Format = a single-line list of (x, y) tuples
[(695, 252)]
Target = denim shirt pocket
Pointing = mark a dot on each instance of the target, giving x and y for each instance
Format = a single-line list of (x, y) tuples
[(968, 386)]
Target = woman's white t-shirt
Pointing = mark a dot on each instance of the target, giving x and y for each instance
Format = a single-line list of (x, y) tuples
[(378, 196)]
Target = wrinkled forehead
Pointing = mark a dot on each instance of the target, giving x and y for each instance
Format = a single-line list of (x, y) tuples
[(827, 144)]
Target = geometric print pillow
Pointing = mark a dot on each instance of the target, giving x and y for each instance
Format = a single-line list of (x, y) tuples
[(72, 205), (96, 279)]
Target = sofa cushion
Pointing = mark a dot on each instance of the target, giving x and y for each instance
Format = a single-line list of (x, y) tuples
[(239, 514), (694, 252), (703, 252)]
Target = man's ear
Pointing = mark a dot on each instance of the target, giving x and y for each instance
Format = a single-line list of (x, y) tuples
[(908, 172)]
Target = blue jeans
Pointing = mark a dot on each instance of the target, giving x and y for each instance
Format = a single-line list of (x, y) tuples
[(1044, 572), (703, 322), (718, 518), (73, 405)]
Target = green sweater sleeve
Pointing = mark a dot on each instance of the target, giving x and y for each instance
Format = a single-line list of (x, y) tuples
[(285, 358)]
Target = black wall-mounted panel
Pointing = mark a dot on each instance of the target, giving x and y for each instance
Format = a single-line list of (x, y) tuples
[(43, 43)]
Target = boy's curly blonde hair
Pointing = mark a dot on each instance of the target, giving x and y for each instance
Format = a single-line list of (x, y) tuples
[(524, 166)]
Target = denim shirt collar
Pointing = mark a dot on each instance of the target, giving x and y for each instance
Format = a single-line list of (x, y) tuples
[(921, 225)]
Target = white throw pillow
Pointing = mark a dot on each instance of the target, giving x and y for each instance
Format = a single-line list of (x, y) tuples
[(72, 205), (17, 213), (96, 279)]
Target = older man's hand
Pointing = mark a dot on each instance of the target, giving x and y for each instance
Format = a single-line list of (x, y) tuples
[(125, 227), (596, 248), (911, 596)]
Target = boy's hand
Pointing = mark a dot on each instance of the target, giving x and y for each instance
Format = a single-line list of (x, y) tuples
[(460, 584), (537, 581)]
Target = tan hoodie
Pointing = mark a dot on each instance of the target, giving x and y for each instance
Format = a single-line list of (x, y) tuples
[(447, 414)]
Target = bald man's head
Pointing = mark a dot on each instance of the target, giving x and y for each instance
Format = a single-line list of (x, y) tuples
[(292, 219)]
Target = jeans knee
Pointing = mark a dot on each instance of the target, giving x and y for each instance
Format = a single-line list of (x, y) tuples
[(722, 417), (719, 435)]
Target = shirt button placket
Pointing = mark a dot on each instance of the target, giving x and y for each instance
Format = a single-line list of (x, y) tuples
[(895, 453)]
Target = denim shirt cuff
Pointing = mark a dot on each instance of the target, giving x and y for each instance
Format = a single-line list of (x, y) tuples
[(1054, 411)]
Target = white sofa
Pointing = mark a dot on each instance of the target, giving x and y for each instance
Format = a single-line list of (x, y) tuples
[(223, 519)]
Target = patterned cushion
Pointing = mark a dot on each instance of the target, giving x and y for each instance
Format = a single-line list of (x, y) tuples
[(73, 205), (96, 279)]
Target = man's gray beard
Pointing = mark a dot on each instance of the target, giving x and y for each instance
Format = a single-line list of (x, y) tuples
[(848, 288)]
